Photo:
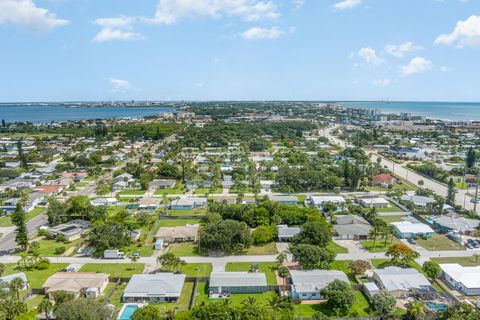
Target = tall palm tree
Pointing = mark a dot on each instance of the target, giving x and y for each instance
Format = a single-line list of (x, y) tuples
[(134, 260), (249, 303), (15, 286), (45, 306)]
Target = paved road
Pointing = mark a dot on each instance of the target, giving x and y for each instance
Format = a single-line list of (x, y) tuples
[(461, 197), (7, 243)]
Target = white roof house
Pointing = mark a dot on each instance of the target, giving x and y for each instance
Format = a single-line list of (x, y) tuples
[(154, 287), (418, 200), (401, 282), (307, 284), (369, 202), (464, 279), (409, 229), (318, 201), (285, 233)]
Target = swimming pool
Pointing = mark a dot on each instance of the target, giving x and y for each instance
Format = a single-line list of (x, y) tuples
[(127, 311), (436, 306)]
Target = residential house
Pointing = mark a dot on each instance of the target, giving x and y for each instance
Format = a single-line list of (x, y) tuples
[(403, 282), (71, 230), (150, 204), (408, 230), (383, 179), (162, 184), (351, 227), (228, 200), (237, 282), (22, 276), (463, 279), (178, 234), (289, 200), (373, 202), (103, 202), (9, 205), (286, 233), (154, 288), (447, 223), (319, 201), (419, 201), (188, 203), (307, 284), (91, 283)]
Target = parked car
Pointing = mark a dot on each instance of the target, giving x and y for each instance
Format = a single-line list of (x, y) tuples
[(468, 245), (473, 200), (412, 241), (136, 255)]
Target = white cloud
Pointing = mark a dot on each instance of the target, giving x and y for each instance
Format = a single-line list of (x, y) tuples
[(120, 85), (369, 56), (116, 28), (381, 82), (26, 14), (257, 33), (169, 11), (346, 4), (416, 65), (466, 33), (401, 50)]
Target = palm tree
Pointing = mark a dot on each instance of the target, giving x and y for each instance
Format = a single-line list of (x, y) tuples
[(45, 306), (283, 273), (417, 310), (15, 286), (249, 303), (134, 260), (282, 256)]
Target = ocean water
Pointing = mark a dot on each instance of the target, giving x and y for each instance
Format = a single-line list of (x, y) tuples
[(435, 110), (49, 113)]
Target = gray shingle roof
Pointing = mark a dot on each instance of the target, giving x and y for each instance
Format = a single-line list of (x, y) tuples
[(159, 284), (237, 279)]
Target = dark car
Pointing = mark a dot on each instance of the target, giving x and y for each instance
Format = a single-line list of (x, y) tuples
[(468, 245)]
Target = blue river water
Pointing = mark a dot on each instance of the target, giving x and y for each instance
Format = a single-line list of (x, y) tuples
[(435, 110), (48, 113)]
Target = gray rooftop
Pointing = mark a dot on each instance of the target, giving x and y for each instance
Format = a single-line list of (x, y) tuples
[(395, 278), (238, 279), (155, 285)]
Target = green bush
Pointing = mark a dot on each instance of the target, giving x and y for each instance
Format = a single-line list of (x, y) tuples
[(60, 250)]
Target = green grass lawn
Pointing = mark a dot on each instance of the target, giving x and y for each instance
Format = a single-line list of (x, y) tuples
[(47, 247), (342, 265), (33, 302), (266, 249), (335, 247), (383, 263), (132, 192), (235, 299), (180, 213), (379, 244), (391, 208), (361, 307), (184, 249), (390, 219), (5, 220), (463, 261), (202, 191), (35, 277), (115, 299), (81, 184), (301, 197), (267, 267), (122, 270), (165, 222), (439, 242), (197, 269)]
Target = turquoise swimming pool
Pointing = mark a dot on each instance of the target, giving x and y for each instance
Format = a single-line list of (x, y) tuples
[(127, 311), (436, 306)]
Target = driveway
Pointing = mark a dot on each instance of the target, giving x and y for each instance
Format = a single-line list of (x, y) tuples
[(354, 247)]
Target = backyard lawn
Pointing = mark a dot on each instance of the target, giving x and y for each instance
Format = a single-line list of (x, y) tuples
[(202, 191), (390, 208), (235, 299), (115, 270), (267, 249), (266, 267), (439, 242), (165, 222), (132, 192), (5, 220), (184, 249), (190, 213), (35, 277), (390, 219), (34, 301), (360, 308), (463, 261), (383, 263)]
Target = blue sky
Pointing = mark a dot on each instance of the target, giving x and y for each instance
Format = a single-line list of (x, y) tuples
[(56, 50)]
